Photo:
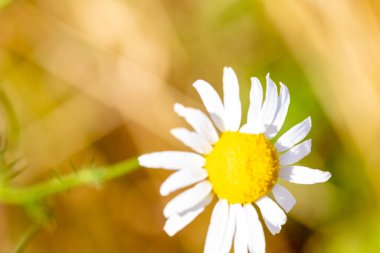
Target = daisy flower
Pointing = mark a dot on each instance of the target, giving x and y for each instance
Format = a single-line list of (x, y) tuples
[(239, 165)]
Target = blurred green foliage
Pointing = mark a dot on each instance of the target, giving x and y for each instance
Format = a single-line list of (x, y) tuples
[(4, 3)]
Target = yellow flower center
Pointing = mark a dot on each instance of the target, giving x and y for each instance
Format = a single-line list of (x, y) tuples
[(242, 167)]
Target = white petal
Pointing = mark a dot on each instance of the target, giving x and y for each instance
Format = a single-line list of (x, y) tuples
[(282, 110), (273, 215), (177, 222), (270, 104), (254, 128), (283, 197), (217, 227), (294, 135), (304, 175), (205, 202), (181, 179), (242, 230), (188, 199), (212, 102), (232, 105), (296, 153), (192, 140), (229, 231), (256, 240), (171, 160), (256, 100), (199, 121)]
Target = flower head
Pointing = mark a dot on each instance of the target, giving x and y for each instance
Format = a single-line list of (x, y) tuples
[(240, 165)]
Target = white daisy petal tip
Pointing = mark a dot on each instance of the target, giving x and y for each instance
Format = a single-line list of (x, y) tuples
[(177, 222), (141, 160), (296, 153), (294, 135), (199, 121), (146, 160), (256, 101), (228, 72), (304, 175), (271, 83), (168, 230), (178, 108), (270, 80), (171, 160), (326, 177), (212, 102), (228, 68), (308, 120), (269, 108), (164, 192), (182, 179), (282, 84), (199, 82), (285, 89), (283, 103), (255, 80), (274, 217), (175, 131), (192, 140), (284, 197), (188, 199), (232, 103)]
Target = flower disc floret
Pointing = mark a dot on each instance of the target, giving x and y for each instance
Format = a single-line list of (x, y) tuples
[(242, 167)]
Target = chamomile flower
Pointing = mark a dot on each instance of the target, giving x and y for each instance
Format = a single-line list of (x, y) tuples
[(239, 165)]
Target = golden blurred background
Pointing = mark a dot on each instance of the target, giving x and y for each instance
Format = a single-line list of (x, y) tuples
[(94, 81)]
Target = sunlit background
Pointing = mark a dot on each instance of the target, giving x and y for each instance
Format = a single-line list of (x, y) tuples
[(94, 81)]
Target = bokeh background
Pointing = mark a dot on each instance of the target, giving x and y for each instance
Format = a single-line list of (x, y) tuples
[(94, 81)]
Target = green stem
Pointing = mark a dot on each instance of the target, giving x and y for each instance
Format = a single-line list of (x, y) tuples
[(35, 193), (27, 237)]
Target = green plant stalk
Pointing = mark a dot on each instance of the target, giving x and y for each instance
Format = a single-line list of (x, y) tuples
[(27, 237), (40, 191)]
